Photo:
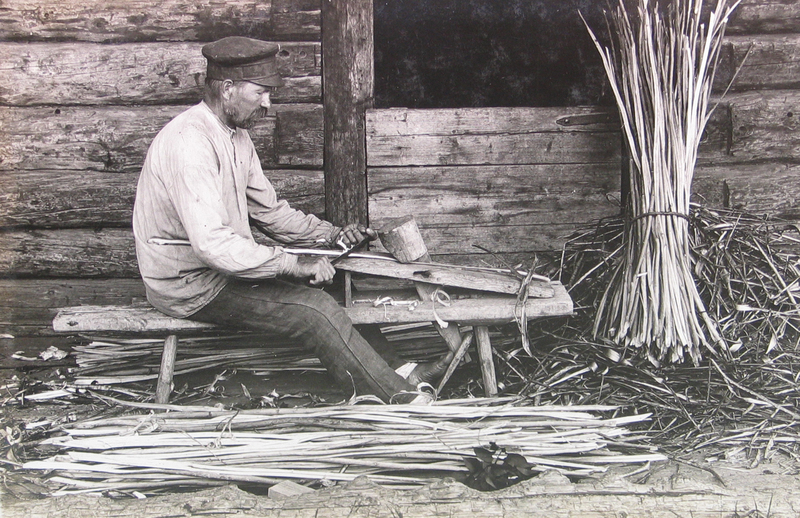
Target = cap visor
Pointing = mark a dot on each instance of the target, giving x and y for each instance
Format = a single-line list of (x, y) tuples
[(270, 80)]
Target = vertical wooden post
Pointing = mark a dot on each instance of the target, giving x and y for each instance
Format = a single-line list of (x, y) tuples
[(347, 92)]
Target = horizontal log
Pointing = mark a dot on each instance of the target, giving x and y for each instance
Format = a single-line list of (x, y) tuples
[(28, 306), (159, 20), (759, 62), (75, 199), (135, 73), (68, 253), (498, 195), (765, 16), (403, 137), (113, 138)]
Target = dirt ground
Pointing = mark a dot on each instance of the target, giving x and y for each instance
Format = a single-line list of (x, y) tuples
[(702, 484)]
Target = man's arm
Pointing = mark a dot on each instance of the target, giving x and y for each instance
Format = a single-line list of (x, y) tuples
[(197, 195)]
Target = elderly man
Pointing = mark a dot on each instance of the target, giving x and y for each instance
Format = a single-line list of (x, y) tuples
[(201, 184)]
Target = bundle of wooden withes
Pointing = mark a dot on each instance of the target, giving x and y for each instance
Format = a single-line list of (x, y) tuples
[(396, 445), (661, 69)]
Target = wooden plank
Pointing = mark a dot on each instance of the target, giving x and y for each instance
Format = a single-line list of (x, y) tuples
[(111, 138), (70, 199), (502, 239), (27, 306), (490, 309), (765, 125), (765, 16), (389, 122), (445, 275), (761, 188), (532, 148), (772, 62), (158, 20), (487, 195), (138, 73), (474, 136), (348, 76), (81, 319)]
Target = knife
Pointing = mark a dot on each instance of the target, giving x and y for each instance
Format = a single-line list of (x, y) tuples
[(355, 248)]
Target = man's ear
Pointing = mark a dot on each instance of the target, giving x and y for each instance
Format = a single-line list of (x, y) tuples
[(227, 89)]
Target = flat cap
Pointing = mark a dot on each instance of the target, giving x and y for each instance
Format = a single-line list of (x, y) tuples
[(243, 59)]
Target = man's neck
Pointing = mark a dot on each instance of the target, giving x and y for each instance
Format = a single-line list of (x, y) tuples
[(216, 108)]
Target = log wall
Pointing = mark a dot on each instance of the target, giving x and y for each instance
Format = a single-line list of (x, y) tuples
[(520, 180), (86, 85), (84, 88)]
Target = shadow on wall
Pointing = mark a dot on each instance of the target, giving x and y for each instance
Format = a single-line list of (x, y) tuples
[(481, 53)]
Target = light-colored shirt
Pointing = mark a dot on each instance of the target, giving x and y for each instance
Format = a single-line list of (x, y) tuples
[(200, 182)]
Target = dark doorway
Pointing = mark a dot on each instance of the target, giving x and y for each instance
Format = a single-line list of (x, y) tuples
[(479, 53)]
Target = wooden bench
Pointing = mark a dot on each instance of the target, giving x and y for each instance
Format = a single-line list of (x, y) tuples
[(476, 309)]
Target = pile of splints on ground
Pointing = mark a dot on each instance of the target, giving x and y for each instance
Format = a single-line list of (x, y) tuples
[(684, 340)]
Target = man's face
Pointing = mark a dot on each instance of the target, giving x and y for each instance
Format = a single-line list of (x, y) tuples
[(248, 102)]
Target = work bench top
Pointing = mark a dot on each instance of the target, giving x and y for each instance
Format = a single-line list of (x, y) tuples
[(475, 309)]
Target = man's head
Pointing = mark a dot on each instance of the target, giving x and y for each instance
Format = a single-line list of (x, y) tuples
[(240, 75)]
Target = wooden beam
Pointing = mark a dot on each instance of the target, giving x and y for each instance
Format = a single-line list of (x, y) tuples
[(348, 84)]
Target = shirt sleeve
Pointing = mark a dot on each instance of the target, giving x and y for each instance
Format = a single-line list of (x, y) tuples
[(196, 194), (280, 221)]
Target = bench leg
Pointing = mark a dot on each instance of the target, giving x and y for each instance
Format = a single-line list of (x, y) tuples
[(164, 386), (487, 362)]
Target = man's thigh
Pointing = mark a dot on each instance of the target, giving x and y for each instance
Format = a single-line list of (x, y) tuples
[(272, 306)]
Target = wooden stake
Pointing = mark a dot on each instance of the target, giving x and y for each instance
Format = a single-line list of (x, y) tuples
[(487, 362), (164, 385)]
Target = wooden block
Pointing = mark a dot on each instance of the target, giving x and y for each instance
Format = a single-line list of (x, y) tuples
[(286, 489), (401, 237)]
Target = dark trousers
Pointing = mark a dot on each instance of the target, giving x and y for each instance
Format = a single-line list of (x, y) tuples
[(317, 321)]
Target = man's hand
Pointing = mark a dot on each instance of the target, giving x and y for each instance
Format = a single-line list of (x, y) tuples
[(353, 234), (317, 269)]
